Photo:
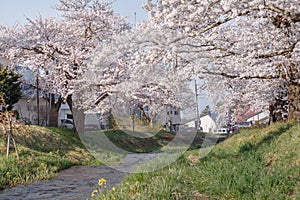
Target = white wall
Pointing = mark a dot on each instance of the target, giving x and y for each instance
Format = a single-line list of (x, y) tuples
[(258, 117), (207, 124), (64, 110), (191, 124)]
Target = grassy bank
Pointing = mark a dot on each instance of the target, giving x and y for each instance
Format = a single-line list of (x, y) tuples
[(111, 145), (43, 152), (254, 164)]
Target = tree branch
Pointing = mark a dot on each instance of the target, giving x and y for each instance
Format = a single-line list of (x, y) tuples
[(232, 76), (279, 53), (294, 16)]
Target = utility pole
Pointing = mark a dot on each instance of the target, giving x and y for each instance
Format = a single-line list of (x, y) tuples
[(197, 107), (47, 107), (37, 99), (134, 19)]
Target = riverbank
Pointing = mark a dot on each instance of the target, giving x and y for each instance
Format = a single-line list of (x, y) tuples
[(43, 151), (254, 164)]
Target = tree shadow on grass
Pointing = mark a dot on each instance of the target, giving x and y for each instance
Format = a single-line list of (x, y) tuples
[(266, 140)]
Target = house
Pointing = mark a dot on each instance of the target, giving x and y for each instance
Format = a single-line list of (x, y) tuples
[(33, 107), (64, 113), (208, 122), (173, 119), (191, 124), (262, 116), (94, 121), (28, 111)]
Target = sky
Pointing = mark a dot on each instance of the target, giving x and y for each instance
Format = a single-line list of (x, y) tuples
[(16, 11)]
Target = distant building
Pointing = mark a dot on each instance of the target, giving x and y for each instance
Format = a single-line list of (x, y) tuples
[(208, 122), (173, 119), (27, 106), (94, 121), (191, 124), (262, 116), (64, 112), (28, 112)]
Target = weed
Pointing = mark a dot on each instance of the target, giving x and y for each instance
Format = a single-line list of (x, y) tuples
[(254, 164), (43, 152)]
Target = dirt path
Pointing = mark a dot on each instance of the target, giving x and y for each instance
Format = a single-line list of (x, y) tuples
[(77, 182)]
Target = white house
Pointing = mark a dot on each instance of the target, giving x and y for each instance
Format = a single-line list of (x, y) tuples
[(208, 123), (259, 117), (191, 124)]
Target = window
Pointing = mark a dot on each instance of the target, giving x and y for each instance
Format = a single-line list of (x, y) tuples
[(69, 116), (176, 112)]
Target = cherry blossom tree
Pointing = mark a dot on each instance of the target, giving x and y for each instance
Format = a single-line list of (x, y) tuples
[(61, 46), (232, 44), (125, 72), (246, 51)]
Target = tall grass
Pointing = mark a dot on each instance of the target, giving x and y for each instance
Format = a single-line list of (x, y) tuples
[(43, 152), (254, 164)]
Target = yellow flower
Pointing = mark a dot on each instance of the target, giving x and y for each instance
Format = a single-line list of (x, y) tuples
[(94, 193), (102, 181), (113, 188)]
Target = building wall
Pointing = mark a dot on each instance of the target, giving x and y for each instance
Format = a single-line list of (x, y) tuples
[(92, 121), (207, 124), (27, 109), (259, 117), (173, 118), (64, 113), (191, 124)]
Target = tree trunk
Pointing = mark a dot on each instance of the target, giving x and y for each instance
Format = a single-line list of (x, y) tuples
[(78, 116), (53, 119), (293, 93), (278, 109), (54, 108), (294, 101), (146, 120), (152, 118)]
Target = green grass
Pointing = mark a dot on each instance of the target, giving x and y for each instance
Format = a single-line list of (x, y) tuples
[(254, 164), (43, 152), (112, 145)]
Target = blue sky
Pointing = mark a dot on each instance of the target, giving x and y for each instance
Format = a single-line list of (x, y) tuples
[(13, 11)]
